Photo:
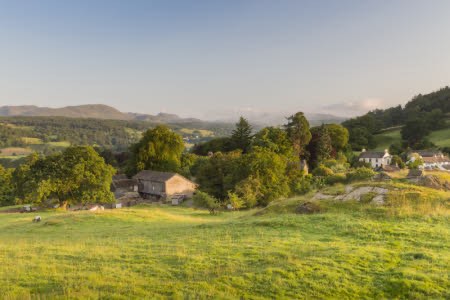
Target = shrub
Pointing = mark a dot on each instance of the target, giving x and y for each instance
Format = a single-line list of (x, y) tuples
[(321, 170), (301, 184), (207, 201), (249, 190), (360, 174), (336, 178), (235, 201), (336, 166)]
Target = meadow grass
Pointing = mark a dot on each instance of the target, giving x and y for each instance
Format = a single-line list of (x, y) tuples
[(387, 138), (62, 144), (440, 138), (32, 141), (352, 250)]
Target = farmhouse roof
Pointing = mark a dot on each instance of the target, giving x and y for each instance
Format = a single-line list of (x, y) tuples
[(157, 176), (427, 153), (154, 175), (372, 154)]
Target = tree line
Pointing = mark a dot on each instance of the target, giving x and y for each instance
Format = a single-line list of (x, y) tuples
[(420, 116)]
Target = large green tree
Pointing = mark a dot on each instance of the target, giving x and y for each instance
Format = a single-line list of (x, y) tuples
[(159, 149), (415, 131), (77, 175), (297, 129), (274, 139), (241, 137), (339, 136), (269, 170), (320, 147)]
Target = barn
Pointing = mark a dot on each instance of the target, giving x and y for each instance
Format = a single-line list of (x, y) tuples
[(164, 185)]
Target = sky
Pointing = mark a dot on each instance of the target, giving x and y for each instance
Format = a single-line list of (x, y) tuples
[(214, 59)]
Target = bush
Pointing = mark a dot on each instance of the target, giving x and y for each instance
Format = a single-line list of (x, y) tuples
[(321, 170), (236, 202), (336, 178), (249, 190), (204, 200), (301, 184), (397, 161), (360, 174), (336, 166)]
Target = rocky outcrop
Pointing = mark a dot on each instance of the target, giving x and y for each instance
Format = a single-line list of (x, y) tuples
[(433, 182), (379, 194)]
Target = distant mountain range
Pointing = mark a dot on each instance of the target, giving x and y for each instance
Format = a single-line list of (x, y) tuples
[(100, 111), (94, 111)]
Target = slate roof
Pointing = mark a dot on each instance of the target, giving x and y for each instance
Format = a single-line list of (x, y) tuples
[(371, 154), (154, 175), (427, 153)]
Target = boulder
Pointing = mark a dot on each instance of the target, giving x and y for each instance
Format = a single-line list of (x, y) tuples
[(309, 208)]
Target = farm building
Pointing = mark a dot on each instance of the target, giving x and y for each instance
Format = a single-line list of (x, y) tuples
[(431, 158), (376, 159), (121, 185), (164, 185)]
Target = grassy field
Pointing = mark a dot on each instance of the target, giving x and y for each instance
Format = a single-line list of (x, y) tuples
[(15, 151), (440, 137), (351, 250), (387, 138)]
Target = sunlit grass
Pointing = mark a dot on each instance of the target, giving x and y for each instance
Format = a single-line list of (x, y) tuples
[(352, 250)]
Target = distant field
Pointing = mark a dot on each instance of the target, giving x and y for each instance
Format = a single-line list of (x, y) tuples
[(440, 137), (32, 141), (59, 144), (200, 132), (351, 250), (15, 151), (385, 139)]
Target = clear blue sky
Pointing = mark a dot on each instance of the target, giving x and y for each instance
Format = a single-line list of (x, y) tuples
[(206, 58)]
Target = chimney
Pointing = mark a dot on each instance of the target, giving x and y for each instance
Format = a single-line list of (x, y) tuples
[(363, 150), (386, 151)]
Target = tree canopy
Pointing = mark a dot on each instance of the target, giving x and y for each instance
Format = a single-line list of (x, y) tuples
[(159, 149), (77, 175), (297, 129)]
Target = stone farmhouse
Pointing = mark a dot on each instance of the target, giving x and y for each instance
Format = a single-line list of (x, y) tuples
[(432, 159), (164, 186), (376, 159)]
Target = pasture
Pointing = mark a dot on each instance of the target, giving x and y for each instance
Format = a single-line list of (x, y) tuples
[(350, 250), (440, 138)]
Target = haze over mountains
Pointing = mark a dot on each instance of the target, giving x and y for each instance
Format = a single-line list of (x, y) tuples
[(101, 111)]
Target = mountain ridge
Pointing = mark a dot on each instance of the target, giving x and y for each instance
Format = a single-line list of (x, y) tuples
[(102, 111)]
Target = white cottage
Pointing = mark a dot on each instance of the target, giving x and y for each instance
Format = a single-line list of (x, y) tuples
[(376, 159), (432, 159)]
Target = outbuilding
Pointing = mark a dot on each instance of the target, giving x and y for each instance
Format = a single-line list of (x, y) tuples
[(163, 185)]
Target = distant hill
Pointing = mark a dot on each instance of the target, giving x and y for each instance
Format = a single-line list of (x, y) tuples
[(92, 111), (101, 111), (95, 111)]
